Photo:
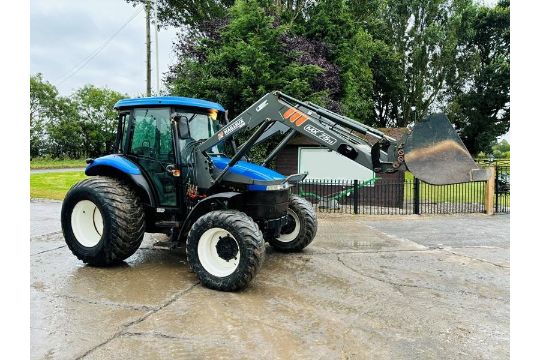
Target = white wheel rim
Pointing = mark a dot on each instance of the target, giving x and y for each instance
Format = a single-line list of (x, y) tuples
[(87, 223), (208, 254), (292, 235)]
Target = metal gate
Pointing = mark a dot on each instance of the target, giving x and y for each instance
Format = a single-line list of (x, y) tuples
[(502, 188)]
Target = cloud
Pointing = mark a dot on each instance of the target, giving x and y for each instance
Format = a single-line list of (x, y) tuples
[(65, 32)]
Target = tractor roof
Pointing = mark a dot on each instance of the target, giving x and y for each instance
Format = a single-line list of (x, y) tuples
[(167, 101)]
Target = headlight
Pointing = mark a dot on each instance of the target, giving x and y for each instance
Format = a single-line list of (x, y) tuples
[(277, 187)]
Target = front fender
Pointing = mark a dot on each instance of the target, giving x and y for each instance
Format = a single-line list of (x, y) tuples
[(212, 202), (119, 166)]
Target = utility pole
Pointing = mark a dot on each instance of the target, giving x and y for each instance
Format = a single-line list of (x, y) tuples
[(156, 41), (148, 51)]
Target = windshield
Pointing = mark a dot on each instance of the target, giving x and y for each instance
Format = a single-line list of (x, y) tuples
[(202, 125)]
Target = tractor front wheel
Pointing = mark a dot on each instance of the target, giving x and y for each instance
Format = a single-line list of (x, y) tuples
[(102, 221), (301, 226), (225, 249)]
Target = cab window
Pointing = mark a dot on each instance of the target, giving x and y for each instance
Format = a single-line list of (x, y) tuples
[(152, 135)]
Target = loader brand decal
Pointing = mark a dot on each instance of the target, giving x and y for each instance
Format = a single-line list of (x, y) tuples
[(320, 134), (295, 116), (232, 127), (261, 106)]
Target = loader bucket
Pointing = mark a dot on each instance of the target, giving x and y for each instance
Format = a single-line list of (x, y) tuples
[(434, 153)]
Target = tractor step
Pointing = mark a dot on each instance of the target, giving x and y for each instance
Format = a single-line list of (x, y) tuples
[(168, 224)]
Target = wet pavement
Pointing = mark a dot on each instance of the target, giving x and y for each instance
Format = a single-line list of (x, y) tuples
[(385, 287)]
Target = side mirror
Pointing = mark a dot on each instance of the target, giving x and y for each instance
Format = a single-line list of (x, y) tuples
[(183, 126)]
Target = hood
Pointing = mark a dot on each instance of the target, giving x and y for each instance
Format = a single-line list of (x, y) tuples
[(247, 169)]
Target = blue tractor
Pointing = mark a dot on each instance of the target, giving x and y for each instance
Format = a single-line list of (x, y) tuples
[(178, 170)]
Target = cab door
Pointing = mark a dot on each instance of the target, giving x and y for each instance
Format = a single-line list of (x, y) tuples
[(152, 148)]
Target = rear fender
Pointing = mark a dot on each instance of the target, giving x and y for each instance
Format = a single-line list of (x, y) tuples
[(120, 167)]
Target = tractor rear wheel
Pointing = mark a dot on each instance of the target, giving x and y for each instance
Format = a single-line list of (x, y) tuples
[(225, 249), (300, 229), (102, 221)]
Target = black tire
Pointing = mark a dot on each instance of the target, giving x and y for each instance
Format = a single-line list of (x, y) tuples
[(307, 228), (250, 246), (122, 218)]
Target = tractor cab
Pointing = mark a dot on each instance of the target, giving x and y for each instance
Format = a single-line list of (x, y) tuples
[(148, 137)]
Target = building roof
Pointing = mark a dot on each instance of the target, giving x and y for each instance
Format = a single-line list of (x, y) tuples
[(167, 101)]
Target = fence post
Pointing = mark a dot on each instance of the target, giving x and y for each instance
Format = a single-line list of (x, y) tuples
[(490, 191), (355, 196), (416, 196), (496, 188)]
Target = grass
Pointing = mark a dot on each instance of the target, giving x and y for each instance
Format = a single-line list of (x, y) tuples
[(53, 185), (472, 192), (48, 163)]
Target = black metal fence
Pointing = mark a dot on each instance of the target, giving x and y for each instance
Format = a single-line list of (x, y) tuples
[(409, 196), (502, 188)]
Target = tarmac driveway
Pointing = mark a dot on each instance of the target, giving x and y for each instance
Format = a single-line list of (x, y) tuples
[(399, 287)]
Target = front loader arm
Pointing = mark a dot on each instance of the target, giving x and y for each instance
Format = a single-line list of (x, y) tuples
[(432, 150), (326, 128)]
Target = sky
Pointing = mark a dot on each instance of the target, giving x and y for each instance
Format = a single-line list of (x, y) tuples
[(64, 33)]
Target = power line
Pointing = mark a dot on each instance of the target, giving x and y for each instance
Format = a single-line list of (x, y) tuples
[(96, 52)]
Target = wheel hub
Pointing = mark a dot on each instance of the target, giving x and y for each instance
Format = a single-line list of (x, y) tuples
[(289, 227), (291, 230), (227, 248), (87, 223)]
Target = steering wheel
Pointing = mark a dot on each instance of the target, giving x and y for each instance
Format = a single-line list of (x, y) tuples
[(145, 151)]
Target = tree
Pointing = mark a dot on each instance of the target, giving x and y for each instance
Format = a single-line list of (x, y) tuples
[(64, 132), (351, 49), (480, 107), (423, 36), (179, 13), (501, 150), (43, 97), (95, 108), (372, 60), (200, 15), (81, 125), (246, 60), (46, 110)]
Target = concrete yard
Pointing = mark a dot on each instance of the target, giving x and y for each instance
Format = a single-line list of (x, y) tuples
[(384, 287)]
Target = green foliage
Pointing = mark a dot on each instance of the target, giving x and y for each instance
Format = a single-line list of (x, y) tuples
[(501, 150), (199, 14), (480, 107), (245, 62), (45, 105), (184, 12), (82, 125), (97, 118), (357, 77), (351, 49), (391, 55)]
